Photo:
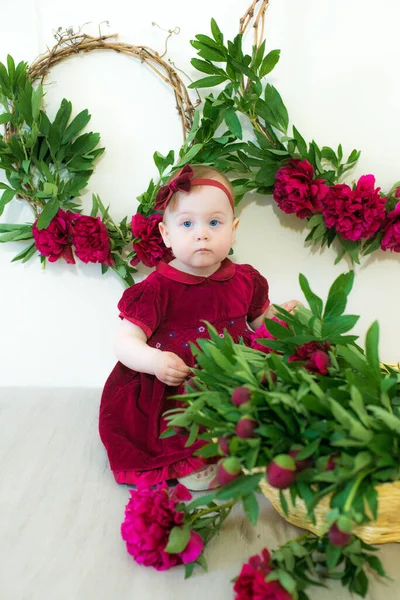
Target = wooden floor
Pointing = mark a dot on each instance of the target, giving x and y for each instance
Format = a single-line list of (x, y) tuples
[(60, 515)]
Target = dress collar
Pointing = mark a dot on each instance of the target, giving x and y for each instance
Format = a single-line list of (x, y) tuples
[(225, 272)]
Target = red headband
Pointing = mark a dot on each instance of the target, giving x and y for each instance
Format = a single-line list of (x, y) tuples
[(183, 182)]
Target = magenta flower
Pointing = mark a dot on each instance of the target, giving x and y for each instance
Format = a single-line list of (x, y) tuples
[(251, 584), (316, 355), (150, 248), (355, 214), (150, 515), (55, 240), (391, 230), (91, 240), (296, 190), (262, 332)]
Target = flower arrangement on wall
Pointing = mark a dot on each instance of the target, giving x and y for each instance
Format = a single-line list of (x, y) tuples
[(49, 164)]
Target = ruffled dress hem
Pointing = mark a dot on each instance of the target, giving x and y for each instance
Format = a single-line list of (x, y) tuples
[(181, 468)]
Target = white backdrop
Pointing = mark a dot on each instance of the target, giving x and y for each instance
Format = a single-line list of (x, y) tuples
[(338, 76)]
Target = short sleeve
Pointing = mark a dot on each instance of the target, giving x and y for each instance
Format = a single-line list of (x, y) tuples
[(260, 299), (141, 305)]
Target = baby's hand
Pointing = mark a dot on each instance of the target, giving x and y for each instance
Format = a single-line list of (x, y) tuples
[(291, 305), (170, 369)]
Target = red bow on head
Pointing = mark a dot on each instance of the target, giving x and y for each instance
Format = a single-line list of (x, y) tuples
[(181, 182)]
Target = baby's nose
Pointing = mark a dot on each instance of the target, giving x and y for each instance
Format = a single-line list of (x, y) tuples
[(203, 234)]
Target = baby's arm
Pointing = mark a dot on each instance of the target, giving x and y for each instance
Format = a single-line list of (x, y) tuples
[(270, 312), (132, 351)]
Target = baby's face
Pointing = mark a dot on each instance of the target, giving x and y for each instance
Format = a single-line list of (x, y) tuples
[(200, 229)]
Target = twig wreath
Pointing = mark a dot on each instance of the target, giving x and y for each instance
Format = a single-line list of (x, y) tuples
[(48, 164)]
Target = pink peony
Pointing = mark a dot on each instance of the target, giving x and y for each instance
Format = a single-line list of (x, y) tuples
[(391, 230), (251, 584), (149, 517), (150, 248), (262, 332), (316, 355), (355, 214), (54, 241), (296, 190), (91, 240)]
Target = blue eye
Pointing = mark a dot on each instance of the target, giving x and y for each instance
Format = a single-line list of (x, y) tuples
[(214, 223), (187, 224)]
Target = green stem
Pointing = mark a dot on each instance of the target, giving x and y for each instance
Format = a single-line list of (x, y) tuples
[(227, 506), (354, 489)]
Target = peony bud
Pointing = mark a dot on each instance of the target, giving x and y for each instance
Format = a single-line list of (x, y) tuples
[(245, 428), (340, 532), (281, 471), (240, 395), (330, 465), (224, 445), (265, 381), (228, 470), (301, 465), (191, 385), (179, 430)]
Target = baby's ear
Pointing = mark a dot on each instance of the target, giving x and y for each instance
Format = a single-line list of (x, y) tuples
[(164, 233), (235, 225)]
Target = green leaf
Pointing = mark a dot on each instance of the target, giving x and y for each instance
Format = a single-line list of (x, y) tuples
[(190, 154), (37, 97), (337, 296), (217, 34), (240, 487), (233, 123), (302, 147), (206, 67), (189, 567), (371, 350), (333, 553), (313, 300), (49, 211), (371, 495), (251, 507), (269, 62), (6, 197), (275, 103), (26, 253), (283, 502), (178, 540), (5, 118), (76, 125), (211, 81), (383, 415)]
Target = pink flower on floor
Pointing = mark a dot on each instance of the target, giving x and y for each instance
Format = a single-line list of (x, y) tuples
[(251, 584), (263, 333), (150, 248), (296, 190), (355, 214), (149, 517), (55, 240), (391, 230), (316, 355)]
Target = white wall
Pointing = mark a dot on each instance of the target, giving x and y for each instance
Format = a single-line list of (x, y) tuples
[(339, 78)]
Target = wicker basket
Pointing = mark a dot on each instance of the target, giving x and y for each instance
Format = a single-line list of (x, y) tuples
[(382, 531)]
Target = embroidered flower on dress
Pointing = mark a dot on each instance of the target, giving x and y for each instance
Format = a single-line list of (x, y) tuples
[(158, 345), (221, 335), (172, 334), (185, 345), (201, 329)]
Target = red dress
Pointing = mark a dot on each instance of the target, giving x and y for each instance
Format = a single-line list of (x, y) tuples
[(170, 306)]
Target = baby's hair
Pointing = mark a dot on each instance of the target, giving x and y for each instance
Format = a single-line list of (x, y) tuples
[(200, 172)]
